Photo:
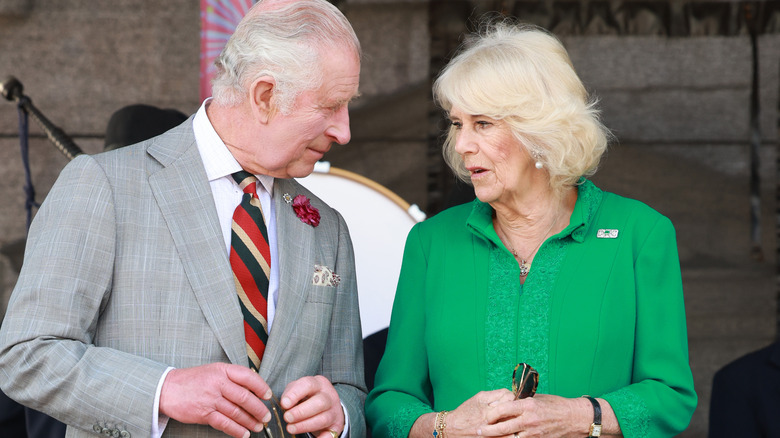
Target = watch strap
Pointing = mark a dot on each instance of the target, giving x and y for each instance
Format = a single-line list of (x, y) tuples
[(595, 427)]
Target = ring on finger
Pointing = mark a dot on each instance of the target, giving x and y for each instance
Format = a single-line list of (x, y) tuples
[(333, 433)]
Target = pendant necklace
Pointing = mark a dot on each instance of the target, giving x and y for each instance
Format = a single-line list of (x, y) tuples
[(525, 268)]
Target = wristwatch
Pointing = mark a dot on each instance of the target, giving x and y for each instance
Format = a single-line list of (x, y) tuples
[(595, 427)]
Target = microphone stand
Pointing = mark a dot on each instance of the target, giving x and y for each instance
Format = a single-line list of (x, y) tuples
[(11, 89)]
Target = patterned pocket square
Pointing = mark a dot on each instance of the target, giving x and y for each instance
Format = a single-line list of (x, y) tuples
[(323, 276)]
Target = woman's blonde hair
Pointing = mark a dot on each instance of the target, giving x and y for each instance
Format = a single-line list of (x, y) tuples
[(522, 74)]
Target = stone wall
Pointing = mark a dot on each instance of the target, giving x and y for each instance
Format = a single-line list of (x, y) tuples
[(80, 61)]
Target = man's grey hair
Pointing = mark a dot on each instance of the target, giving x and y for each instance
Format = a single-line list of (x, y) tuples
[(285, 43)]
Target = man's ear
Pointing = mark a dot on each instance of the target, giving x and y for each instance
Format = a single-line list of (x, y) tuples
[(261, 94)]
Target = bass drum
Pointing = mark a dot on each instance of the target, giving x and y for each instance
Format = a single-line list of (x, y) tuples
[(378, 221)]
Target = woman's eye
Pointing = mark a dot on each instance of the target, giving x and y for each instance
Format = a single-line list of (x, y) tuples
[(456, 125), (483, 124)]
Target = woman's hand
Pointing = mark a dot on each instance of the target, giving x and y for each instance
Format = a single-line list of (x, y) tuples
[(479, 412), (468, 419), (546, 415), (498, 414)]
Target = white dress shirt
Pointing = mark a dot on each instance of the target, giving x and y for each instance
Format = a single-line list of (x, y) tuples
[(220, 165)]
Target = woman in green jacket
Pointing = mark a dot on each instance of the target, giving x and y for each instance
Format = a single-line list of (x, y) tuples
[(543, 268)]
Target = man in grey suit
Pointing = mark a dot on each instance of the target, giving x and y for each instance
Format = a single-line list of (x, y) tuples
[(125, 320)]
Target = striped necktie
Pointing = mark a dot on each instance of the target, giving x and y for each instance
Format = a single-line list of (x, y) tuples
[(250, 258)]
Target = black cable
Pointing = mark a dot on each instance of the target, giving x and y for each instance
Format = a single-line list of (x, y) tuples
[(29, 190)]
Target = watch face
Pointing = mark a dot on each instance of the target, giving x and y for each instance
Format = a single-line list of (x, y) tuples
[(595, 430)]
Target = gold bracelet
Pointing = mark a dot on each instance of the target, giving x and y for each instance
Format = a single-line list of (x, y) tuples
[(440, 424)]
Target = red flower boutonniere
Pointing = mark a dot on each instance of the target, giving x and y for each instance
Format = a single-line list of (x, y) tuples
[(305, 212)]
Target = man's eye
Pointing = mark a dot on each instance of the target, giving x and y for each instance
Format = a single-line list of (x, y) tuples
[(332, 108), (339, 106)]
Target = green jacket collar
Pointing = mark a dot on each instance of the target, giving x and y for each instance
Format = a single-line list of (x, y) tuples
[(480, 220)]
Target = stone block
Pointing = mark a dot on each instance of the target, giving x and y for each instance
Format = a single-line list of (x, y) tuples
[(677, 115), (648, 63), (80, 61), (700, 85), (394, 37), (10, 9)]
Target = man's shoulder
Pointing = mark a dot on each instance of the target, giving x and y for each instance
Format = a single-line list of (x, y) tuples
[(165, 147), (752, 362)]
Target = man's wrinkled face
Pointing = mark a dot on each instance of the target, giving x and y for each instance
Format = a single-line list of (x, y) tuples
[(319, 118)]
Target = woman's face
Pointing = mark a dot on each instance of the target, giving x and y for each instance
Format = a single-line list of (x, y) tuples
[(499, 165)]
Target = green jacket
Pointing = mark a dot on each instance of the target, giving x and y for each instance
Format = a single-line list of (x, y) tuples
[(597, 315)]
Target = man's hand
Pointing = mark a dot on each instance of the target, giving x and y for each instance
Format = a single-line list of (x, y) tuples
[(312, 405), (224, 396)]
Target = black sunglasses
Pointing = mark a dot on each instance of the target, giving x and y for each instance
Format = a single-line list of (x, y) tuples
[(524, 385), (276, 428)]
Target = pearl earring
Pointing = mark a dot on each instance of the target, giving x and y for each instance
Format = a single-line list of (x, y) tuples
[(536, 155)]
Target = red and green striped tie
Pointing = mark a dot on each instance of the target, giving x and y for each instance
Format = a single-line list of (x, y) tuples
[(250, 258)]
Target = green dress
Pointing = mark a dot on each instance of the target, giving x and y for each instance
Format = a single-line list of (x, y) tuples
[(601, 313)]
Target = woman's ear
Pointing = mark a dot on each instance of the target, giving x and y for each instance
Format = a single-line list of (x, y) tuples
[(261, 95)]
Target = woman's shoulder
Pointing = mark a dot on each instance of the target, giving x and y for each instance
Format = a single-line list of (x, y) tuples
[(452, 216), (615, 204), (447, 224), (596, 204), (632, 213)]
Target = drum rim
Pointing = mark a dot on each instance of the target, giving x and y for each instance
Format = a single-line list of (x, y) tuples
[(370, 183)]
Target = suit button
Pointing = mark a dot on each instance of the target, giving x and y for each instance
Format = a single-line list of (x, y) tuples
[(124, 434), (115, 433), (97, 428), (106, 431)]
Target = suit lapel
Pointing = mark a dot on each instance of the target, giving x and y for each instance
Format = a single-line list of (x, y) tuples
[(296, 251), (183, 194)]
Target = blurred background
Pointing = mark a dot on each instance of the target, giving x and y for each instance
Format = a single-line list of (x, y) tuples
[(689, 88)]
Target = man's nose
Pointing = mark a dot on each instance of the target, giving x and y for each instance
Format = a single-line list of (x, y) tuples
[(339, 128)]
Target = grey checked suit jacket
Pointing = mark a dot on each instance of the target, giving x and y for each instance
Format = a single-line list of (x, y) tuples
[(126, 273)]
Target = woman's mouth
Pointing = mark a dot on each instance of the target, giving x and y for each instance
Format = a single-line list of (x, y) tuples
[(474, 171)]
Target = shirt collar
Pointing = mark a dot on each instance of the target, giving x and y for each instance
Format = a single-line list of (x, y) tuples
[(217, 159)]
